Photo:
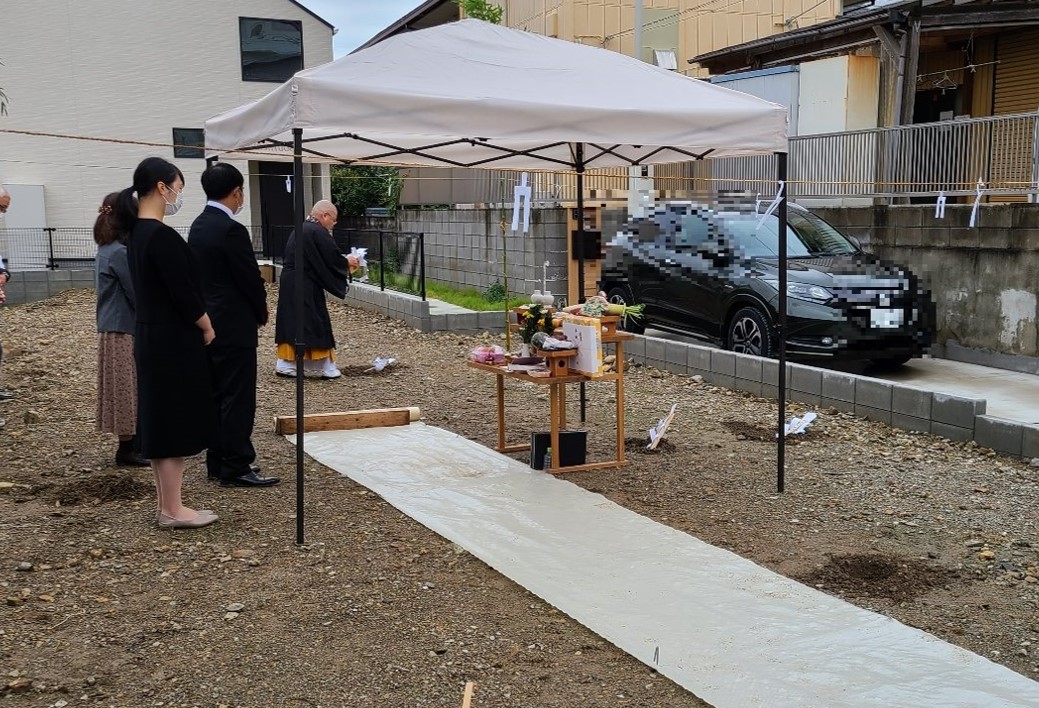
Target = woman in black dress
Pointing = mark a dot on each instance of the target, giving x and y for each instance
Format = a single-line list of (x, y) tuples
[(174, 395)]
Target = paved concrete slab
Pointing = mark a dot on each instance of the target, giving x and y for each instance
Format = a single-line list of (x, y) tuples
[(1010, 395)]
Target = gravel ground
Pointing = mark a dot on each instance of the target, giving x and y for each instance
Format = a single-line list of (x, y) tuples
[(101, 608)]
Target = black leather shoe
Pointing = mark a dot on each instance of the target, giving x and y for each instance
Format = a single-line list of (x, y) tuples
[(131, 459), (217, 478), (249, 479)]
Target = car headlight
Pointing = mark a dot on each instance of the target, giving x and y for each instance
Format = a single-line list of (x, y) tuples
[(803, 291)]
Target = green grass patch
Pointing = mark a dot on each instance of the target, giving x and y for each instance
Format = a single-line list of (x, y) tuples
[(469, 298)]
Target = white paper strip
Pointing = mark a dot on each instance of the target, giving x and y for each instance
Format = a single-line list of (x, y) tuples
[(977, 203), (774, 205), (521, 195), (939, 206)]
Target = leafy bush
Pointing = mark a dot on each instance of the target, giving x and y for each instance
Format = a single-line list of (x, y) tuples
[(496, 292)]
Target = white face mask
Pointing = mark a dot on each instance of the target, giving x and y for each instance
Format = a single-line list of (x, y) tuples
[(174, 207)]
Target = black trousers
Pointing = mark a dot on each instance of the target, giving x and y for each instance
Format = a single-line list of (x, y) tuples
[(234, 388)]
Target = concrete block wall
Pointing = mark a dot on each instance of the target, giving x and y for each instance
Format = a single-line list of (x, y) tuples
[(982, 279), (33, 285), (905, 407), (415, 312), (464, 248)]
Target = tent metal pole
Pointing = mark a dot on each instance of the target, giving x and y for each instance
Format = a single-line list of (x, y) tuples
[(579, 155), (781, 328), (297, 224)]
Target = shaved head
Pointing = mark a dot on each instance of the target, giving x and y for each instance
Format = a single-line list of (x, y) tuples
[(5, 200), (326, 213)]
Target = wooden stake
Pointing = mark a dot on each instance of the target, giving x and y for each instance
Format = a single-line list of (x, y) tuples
[(349, 420), (467, 697)]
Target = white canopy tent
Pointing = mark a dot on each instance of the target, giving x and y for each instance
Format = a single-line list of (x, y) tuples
[(473, 94)]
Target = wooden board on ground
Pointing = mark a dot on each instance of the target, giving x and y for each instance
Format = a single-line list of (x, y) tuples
[(467, 697), (348, 420)]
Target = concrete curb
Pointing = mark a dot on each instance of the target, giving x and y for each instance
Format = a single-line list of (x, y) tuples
[(415, 312), (900, 406), (32, 285)]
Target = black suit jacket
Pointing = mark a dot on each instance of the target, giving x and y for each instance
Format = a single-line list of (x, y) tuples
[(235, 297)]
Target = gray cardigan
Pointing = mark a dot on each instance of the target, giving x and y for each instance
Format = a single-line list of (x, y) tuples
[(116, 311)]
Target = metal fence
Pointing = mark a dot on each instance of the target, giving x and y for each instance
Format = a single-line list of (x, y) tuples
[(909, 161), (396, 260)]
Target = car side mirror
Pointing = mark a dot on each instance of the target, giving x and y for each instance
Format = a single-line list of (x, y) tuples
[(855, 242)]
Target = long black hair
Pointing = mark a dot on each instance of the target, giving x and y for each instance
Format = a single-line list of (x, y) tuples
[(148, 174)]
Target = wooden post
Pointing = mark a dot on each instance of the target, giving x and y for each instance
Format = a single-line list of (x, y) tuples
[(348, 420)]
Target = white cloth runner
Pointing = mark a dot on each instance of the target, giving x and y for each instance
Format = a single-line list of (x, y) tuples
[(727, 630)]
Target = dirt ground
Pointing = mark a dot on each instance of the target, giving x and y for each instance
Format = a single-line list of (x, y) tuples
[(99, 607)]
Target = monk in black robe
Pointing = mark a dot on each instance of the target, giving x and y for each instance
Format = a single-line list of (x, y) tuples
[(324, 270)]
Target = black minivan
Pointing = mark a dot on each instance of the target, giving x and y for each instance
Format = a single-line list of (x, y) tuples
[(715, 274)]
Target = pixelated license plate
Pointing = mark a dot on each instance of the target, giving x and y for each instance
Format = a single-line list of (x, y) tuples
[(885, 318)]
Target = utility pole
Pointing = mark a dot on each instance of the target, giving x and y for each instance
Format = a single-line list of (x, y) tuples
[(638, 29)]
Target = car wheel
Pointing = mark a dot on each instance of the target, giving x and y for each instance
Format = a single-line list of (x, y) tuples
[(621, 295), (889, 363), (750, 333)]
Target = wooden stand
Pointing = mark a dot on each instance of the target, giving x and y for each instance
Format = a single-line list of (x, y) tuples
[(557, 401)]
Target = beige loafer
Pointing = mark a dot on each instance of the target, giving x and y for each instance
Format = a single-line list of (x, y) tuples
[(202, 519)]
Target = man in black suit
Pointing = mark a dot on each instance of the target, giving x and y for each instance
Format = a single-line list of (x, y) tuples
[(237, 304)]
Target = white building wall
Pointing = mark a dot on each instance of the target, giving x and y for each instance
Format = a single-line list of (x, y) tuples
[(126, 70)]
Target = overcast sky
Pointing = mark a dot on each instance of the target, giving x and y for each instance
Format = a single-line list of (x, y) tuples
[(358, 20)]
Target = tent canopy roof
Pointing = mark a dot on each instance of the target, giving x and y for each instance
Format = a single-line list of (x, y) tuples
[(471, 93)]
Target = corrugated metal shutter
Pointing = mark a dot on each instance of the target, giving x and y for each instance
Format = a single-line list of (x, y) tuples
[(1017, 74), (1016, 91)]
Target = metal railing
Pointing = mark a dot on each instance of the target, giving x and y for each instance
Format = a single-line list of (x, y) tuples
[(908, 161), (396, 260)]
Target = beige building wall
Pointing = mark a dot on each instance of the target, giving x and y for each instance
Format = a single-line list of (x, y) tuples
[(690, 27)]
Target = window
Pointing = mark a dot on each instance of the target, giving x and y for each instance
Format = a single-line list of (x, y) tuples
[(694, 231), (272, 50), (189, 143)]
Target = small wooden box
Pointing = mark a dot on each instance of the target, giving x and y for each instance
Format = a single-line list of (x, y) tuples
[(558, 361)]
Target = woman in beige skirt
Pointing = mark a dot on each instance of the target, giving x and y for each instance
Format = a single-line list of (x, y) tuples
[(116, 374)]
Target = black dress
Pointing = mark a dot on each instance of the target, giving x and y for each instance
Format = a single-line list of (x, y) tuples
[(174, 395), (324, 270)]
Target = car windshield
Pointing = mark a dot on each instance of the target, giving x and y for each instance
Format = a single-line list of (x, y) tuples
[(807, 236)]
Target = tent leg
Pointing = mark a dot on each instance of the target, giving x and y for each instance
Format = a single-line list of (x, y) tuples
[(781, 158), (580, 250), (297, 222)]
